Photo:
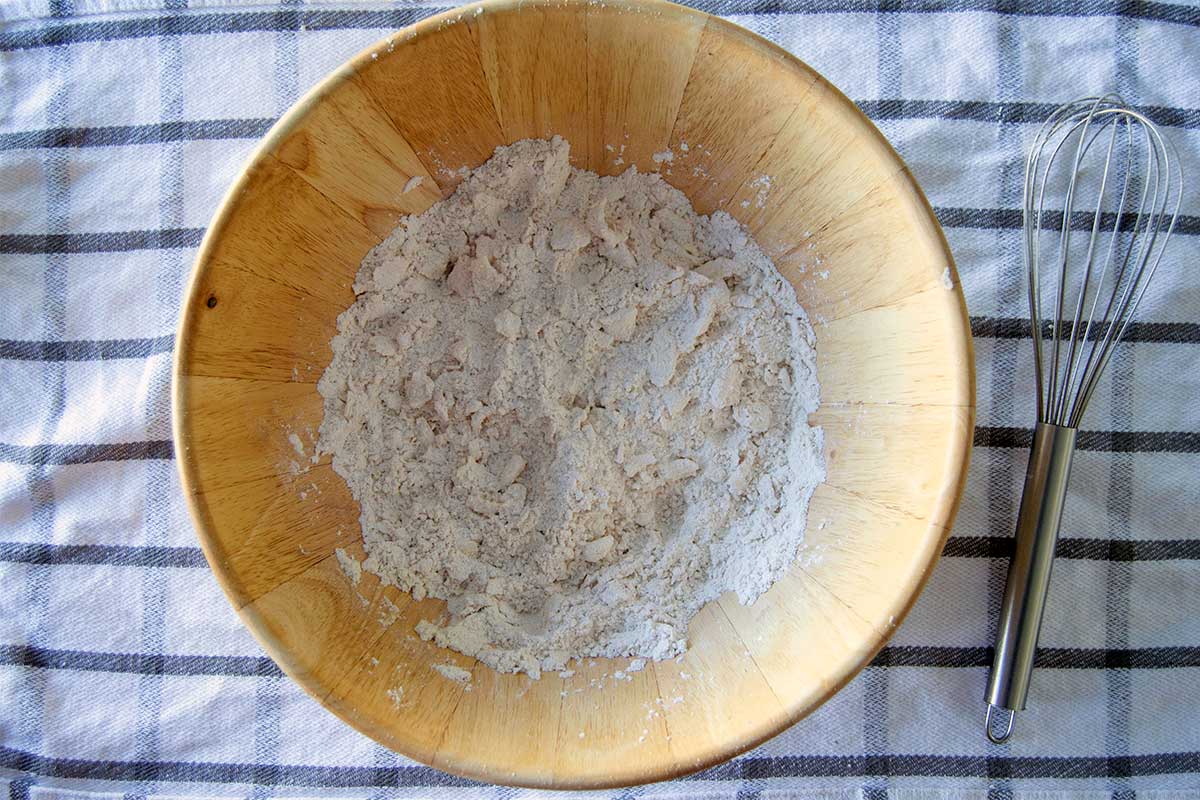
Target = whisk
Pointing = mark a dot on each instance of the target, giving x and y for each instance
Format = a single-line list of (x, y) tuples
[(1123, 187)]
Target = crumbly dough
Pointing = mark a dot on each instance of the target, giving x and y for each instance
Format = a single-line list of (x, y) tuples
[(574, 410)]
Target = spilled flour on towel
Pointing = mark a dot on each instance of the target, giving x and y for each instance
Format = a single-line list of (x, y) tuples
[(574, 410)]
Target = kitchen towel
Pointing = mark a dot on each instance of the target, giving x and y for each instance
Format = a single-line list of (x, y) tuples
[(123, 670)]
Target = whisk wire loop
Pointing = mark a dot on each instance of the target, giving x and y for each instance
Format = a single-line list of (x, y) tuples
[(1122, 188)]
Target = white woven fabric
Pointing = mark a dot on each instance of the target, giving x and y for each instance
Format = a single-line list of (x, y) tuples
[(123, 671)]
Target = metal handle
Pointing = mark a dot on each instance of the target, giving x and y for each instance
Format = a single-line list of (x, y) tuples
[(1029, 572)]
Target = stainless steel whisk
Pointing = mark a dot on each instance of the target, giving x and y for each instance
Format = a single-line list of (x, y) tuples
[(1123, 188)]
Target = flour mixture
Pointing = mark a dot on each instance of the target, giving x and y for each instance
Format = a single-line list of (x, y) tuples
[(573, 409)]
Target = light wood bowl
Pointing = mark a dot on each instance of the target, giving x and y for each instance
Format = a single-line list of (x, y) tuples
[(275, 270)]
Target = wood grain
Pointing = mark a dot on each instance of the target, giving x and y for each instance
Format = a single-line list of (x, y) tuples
[(714, 154), (850, 263), (537, 79), (327, 152), (433, 88), (769, 141), (935, 348), (272, 512), (793, 632), (718, 661), (787, 195), (639, 57), (266, 291)]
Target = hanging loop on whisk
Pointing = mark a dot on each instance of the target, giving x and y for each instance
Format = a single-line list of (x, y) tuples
[(1006, 731)]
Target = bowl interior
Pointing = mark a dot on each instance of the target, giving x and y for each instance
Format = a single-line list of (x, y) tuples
[(769, 141)]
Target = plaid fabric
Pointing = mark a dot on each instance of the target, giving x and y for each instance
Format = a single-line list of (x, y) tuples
[(123, 671)]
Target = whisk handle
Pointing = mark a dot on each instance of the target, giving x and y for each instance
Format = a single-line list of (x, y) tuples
[(1029, 571)]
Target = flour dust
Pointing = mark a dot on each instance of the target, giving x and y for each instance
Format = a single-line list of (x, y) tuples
[(573, 409)]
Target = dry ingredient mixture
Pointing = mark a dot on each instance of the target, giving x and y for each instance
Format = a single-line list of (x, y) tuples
[(573, 409)]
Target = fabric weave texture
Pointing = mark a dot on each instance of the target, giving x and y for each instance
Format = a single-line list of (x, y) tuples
[(123, 670)]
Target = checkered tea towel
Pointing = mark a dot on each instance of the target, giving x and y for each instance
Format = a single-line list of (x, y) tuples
[(124, 672)]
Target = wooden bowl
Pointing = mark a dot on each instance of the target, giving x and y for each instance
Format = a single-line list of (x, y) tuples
[(618, 79)]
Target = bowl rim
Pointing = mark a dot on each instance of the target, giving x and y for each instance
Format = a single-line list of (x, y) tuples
[(957, 457)]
